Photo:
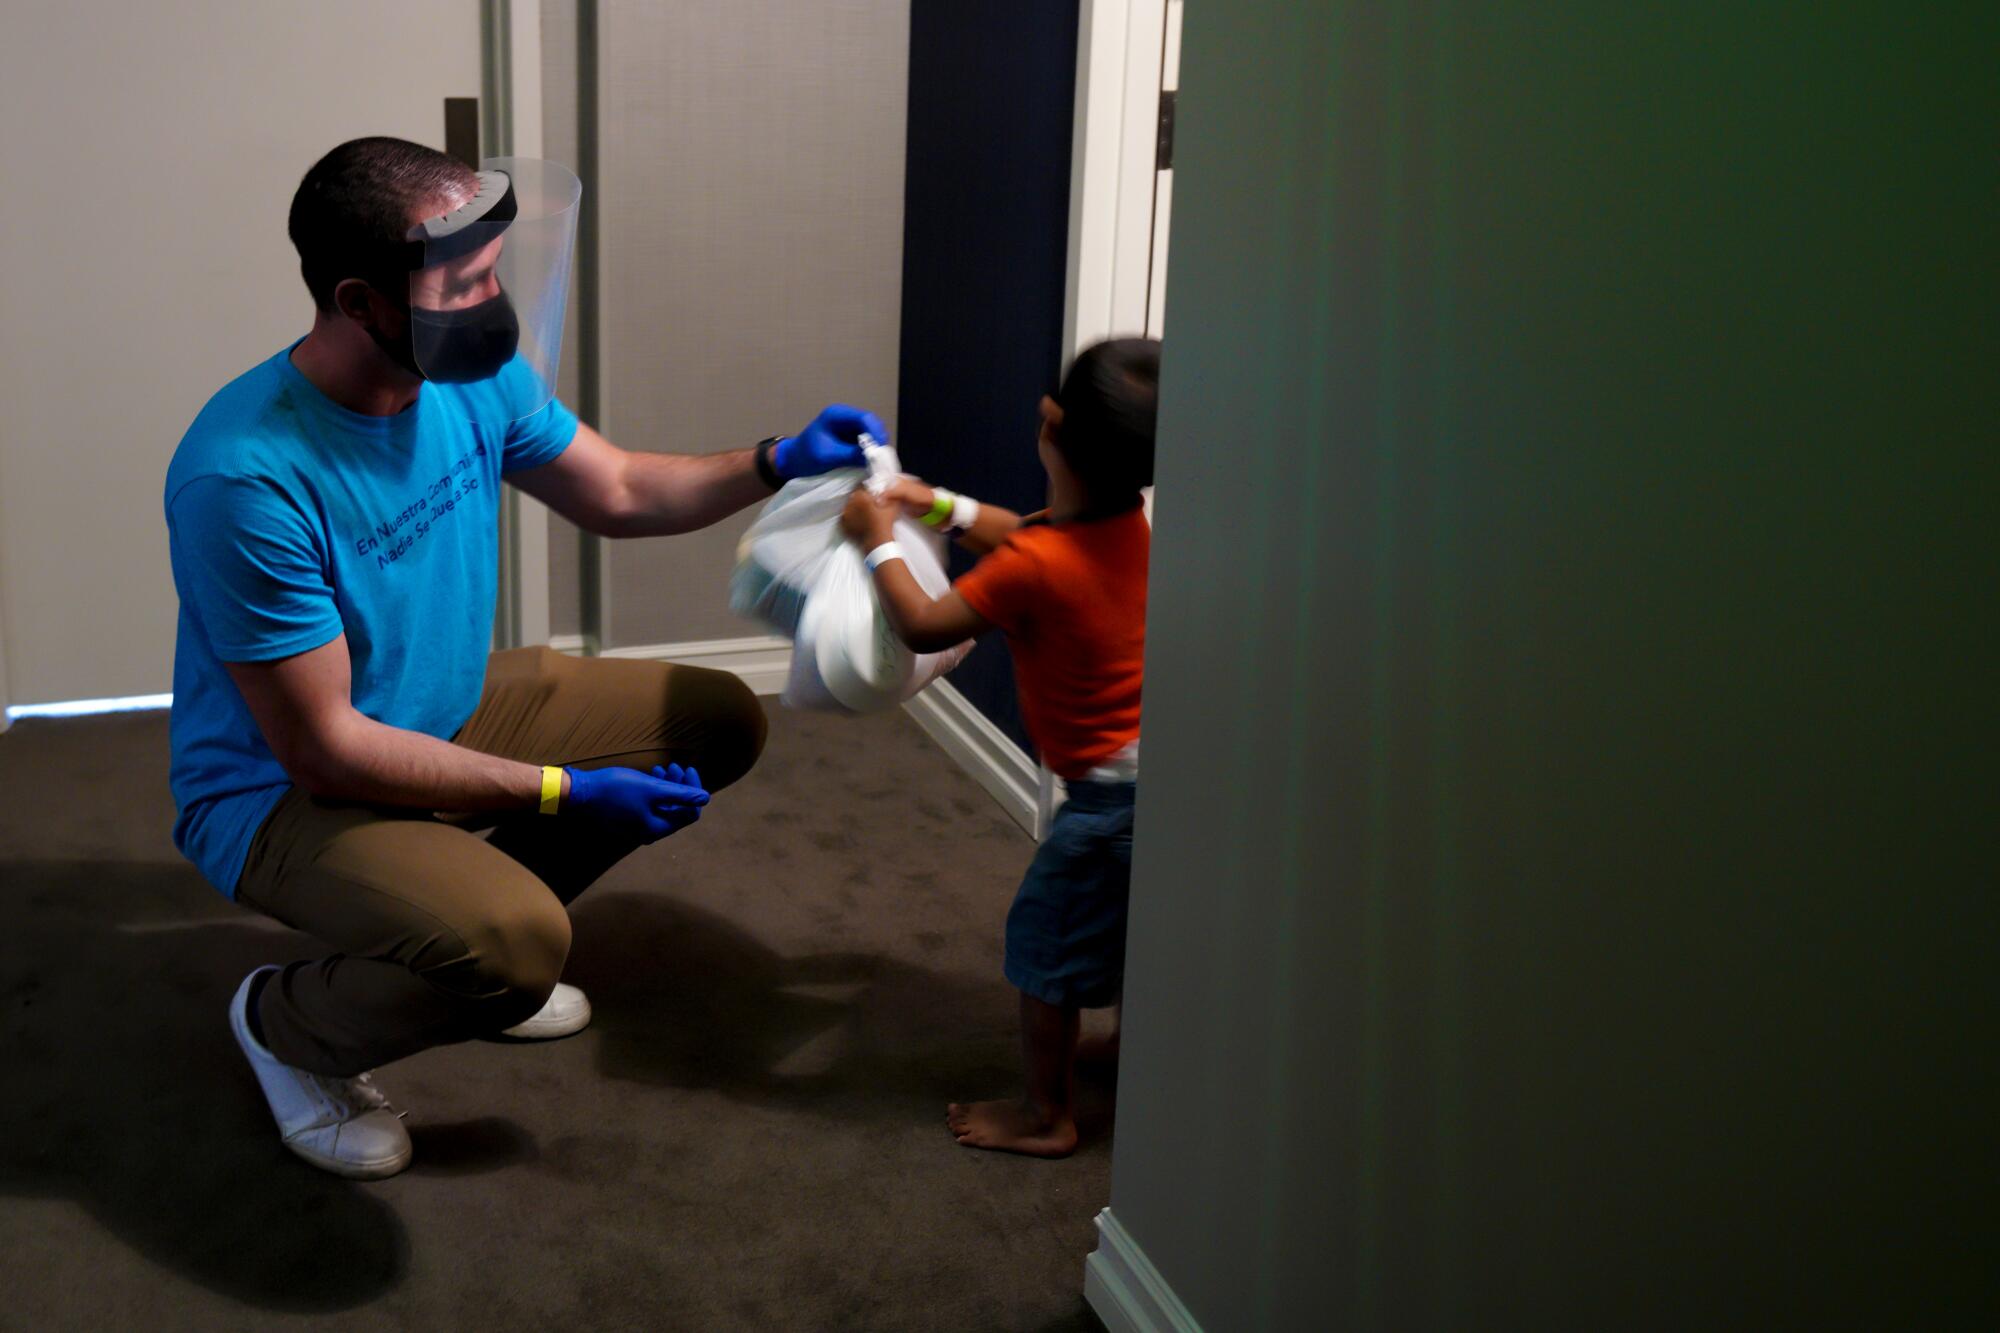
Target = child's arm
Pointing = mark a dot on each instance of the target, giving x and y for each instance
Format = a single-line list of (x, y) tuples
[(926, 624), (987, 531)]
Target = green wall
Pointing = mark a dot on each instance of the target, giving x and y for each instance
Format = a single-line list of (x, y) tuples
[(1566, 879)]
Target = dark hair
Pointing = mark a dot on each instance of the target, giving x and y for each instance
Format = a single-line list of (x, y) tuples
[(352, 211), (1110, 400)]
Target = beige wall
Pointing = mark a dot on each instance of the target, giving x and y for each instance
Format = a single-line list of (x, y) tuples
[(1564, 883), (752, 164), (149, 156), (5, 697)]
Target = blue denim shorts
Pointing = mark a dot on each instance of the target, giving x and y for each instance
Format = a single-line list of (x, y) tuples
[(1066, 931)]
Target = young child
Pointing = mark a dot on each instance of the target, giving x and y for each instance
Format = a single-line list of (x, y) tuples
[(1068, 588)]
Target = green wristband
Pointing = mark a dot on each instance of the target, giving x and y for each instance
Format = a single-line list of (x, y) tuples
[(940, 509)]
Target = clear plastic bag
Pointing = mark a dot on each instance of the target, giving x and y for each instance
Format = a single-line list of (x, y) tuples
[(798, 572)]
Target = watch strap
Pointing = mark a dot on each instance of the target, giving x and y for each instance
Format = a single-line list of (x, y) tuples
[(767, 471)]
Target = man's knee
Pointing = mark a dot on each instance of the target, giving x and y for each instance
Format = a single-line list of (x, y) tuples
[(733, 730), (746, 727), (518, 949)]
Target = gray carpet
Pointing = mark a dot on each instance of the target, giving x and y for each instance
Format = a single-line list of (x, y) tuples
[(749, 1136)]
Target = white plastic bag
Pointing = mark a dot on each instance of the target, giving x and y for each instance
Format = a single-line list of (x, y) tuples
[(798, 572)]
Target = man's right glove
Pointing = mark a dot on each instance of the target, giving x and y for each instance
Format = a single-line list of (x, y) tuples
[(645, 806), (832, 440)]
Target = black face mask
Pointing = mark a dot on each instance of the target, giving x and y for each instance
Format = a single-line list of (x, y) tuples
[(456, 346)]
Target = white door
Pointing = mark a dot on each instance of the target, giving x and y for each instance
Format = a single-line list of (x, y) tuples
[(150, 156), (1128, 71), (1163, 179), (1163, 183)]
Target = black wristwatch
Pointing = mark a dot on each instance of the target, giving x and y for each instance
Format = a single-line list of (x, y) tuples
[(766, 469)]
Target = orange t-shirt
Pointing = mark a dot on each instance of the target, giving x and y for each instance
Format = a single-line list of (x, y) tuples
[(1071, 598)]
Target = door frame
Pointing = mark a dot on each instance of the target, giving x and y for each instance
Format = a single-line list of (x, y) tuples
[(1121, 53), (511, 125), (5, 698)]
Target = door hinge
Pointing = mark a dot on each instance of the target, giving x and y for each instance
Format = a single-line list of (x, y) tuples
[(1164, 159)]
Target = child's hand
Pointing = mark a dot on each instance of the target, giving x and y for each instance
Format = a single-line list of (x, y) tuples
[(912, 494), (867, 520)]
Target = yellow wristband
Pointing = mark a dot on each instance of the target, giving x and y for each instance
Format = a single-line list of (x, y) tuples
[(941, 500), (551, 788)]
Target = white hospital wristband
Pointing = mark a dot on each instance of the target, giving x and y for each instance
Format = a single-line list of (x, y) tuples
[(964, 513), (882, 555)]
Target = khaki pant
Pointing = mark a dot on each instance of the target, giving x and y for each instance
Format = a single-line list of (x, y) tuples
[(442, 934)]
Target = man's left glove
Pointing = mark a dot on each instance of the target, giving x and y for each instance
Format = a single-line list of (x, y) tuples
[(642, 806), (833, 440)]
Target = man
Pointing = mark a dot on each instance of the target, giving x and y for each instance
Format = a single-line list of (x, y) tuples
[(338, 728)]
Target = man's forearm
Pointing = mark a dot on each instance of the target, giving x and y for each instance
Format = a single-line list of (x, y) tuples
[(359, 759), (670, 493)]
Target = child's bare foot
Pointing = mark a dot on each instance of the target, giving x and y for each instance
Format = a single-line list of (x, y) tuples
[(1011, 1126)]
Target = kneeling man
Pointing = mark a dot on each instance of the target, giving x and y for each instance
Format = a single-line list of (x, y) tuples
[(339, 727)]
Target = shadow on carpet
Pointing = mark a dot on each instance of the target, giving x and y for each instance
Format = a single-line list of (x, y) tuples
[(126, 1094)]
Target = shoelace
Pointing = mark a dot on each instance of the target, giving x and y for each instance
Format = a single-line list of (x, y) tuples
[(358, 1092), (376, 1097)]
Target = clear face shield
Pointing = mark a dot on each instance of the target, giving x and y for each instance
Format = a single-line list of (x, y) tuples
[(488, 297)]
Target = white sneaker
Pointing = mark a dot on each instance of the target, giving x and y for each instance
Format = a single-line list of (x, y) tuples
[(342, 1125), (567, 1010)]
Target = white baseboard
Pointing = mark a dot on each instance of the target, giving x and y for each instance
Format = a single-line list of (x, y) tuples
[(983, 750), (762, 661), (1124, 1288), (979, 747)]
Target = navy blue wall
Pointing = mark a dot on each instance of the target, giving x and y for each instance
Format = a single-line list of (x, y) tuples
[(985, 263)]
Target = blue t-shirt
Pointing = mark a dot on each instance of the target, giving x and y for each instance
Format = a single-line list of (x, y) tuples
[(291, 520)]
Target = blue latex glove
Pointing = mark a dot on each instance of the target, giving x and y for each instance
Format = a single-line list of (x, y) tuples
[(648, 806), (833, 440)]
